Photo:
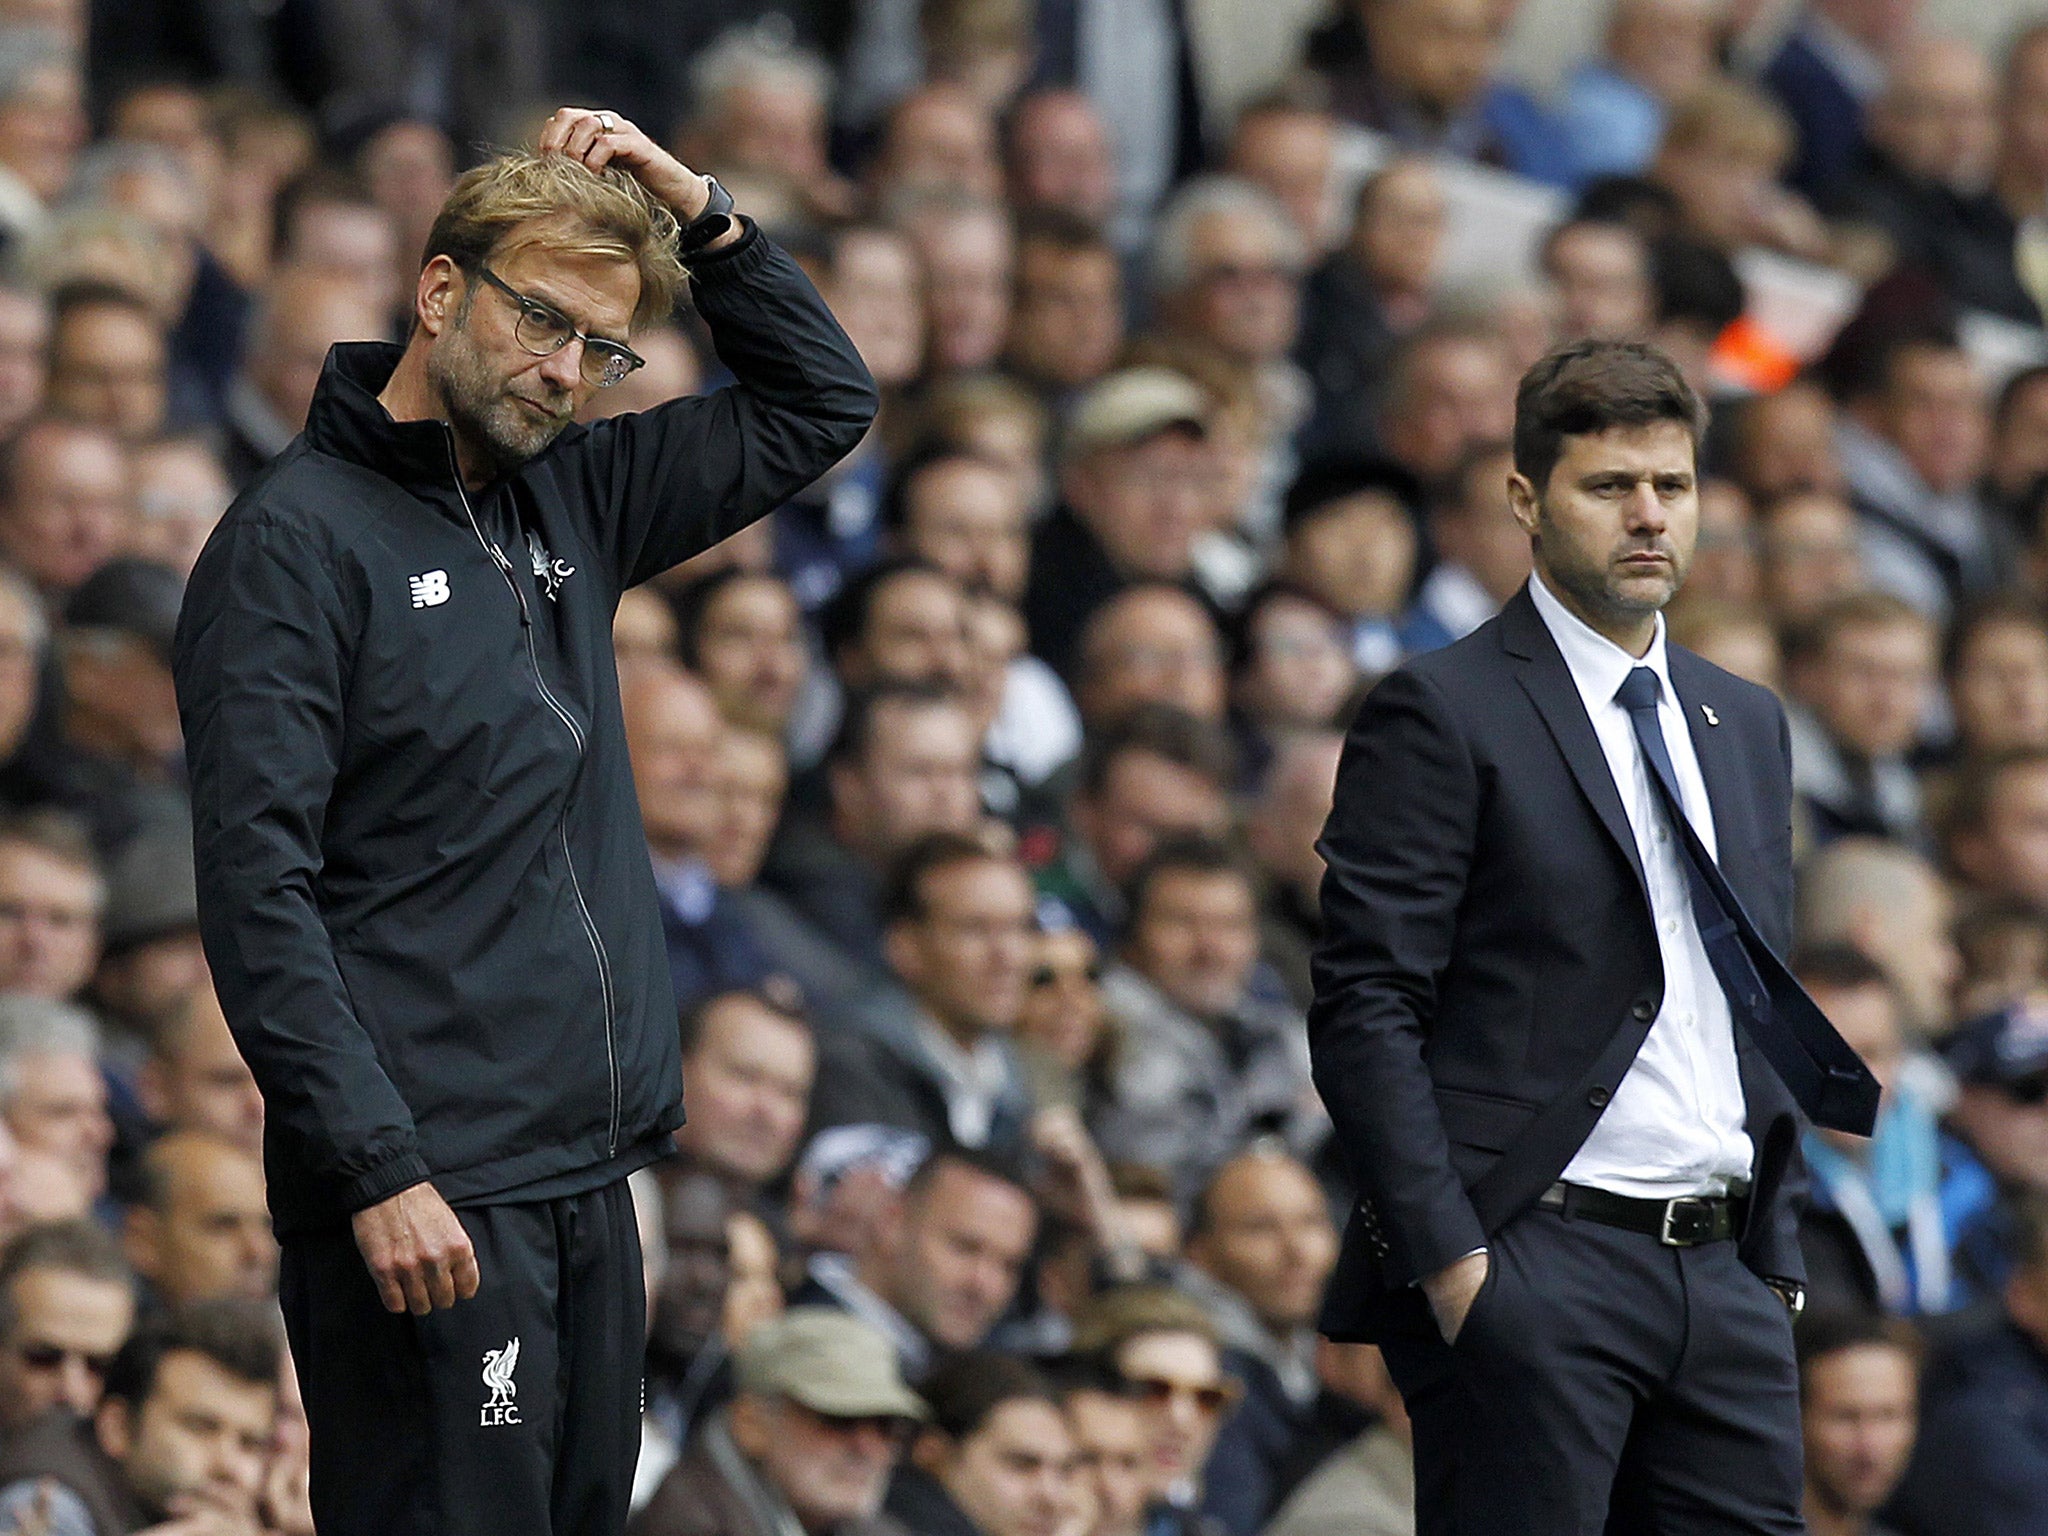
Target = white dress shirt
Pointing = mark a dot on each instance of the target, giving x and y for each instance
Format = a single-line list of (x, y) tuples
[(1675, 1123)]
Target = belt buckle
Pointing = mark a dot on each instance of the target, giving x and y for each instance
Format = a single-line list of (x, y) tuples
[(1688, 1221)]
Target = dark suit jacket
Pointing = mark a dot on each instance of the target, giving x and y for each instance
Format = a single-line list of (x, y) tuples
[(1489, 967), (1827, 114)]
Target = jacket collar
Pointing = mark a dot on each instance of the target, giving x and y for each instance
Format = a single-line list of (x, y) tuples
[(347, 422)]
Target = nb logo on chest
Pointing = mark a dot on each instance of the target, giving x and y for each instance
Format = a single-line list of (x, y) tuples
[(429, 589)]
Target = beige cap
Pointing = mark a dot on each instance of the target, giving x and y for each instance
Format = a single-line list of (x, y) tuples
[(829, 1361), (1132, 405)]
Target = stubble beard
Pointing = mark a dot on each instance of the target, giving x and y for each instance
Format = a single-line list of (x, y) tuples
[(479, 406), (1599, 590)]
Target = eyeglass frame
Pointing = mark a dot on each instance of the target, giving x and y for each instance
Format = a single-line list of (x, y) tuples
[(541, 310)]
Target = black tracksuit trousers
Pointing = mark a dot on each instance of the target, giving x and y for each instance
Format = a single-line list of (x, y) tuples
[(515, 1413)]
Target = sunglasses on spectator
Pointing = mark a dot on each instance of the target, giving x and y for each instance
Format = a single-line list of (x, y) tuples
[(2028, 1090), (1046, 975), (887, 1425), (49, 1357), (1212, 1399)]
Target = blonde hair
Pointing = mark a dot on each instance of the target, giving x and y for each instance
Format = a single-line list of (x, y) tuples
[(1730, 118), (525, 198)]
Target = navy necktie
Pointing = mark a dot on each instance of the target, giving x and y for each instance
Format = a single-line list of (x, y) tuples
[(1801, 1046)]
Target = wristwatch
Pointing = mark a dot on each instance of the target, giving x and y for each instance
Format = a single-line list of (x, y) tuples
[(1790, 1292), (714, 221)]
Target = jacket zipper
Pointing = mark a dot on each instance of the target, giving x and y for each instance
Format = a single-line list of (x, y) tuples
[(597, 949)]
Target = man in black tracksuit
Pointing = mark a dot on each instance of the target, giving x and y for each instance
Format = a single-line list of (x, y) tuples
[(424, 891)]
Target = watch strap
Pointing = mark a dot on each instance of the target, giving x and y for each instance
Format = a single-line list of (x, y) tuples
[(713, 222)]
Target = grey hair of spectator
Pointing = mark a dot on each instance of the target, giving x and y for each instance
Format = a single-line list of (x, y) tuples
[(747, 55), (1169, 264), (35, 1026), (23, 51), (99, 166)]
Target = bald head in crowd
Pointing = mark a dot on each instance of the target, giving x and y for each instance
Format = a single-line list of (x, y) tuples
[(201, 1229)]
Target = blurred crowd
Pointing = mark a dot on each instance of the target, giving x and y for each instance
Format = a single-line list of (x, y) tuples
[(981, 783)]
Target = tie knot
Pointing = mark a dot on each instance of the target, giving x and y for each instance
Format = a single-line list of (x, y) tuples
[(1638, 690)]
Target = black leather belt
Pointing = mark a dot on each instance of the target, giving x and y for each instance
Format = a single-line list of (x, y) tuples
[(1684, 1222)]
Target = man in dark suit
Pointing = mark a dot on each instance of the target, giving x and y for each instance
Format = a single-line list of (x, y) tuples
[(1564, 1062)]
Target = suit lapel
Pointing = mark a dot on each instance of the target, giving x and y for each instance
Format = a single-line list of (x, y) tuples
[(1548, 682), (1719, 751)]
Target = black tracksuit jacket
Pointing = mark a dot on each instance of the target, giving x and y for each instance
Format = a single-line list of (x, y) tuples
[(423, 887)]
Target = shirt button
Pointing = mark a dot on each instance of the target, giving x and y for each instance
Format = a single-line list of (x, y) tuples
[(1663, 836), (1671, 926)]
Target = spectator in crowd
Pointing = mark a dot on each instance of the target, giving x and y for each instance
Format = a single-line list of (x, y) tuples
[(181, 490), (1260, 1249), (1152, 643), (52, 898), (1281, 828), (1831, 66), (871, 280), (184, 1431), (996, 1459), (1997, 826), (741, 633), (1059, 157), (1600, 272), (1615, 107), (1921, 178), (1979, 1466), (688, 1363), (808, 1442), (42, 125), (1291, 669), (1892, 906), (900, 622), (1997, 674), (1208, 1055), (1365, 1487), (1859, 1378), (1067, 318), (1808, 556), (1424, 72), (150, 956), (1062, 1035), (1286, 146), (200, 1229), (969, 257), (120, 717), (748, 1062), (932, 1053), (24, 353), (1108, 1425), (1451, 388), (673, 734), (1225, 269), (938, 139), (904, 764), (940, 1262), (1377, 288), (67, 1301), (300, 314), (194, 1078), (1914, 439), (1163, 1346), (1700, 296), (1998, 1062), (758, 111), (1722, 154), (66, 504), (965, 515), (1157, 775), (107, 360), (1134, 462), (1862, 675), (1351, 542), (1886, 1215), (1785, 442), (52, 1095), (1482, 554), (327, 221), (1724, 567)]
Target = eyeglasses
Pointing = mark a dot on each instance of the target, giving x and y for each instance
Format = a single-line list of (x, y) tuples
[(1046, 975), (1160, 1389), (49, 1357), (544, 330)]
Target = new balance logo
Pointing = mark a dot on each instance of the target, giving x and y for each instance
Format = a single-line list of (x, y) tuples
[(429, 590), (499, 1364)]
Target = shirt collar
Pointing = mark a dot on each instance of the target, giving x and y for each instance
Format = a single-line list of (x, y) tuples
[(1596, 663)]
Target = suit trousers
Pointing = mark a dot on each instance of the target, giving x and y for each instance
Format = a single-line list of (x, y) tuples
[(514, 1413), (1604, 1382)]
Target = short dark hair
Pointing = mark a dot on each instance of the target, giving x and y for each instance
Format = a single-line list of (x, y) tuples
[(1696, 285), (320, 185), (776, 995), (241, 1337), (1593, 386), (1843, 967), (78, 1247), (2006, 609), (1186, 856), (964, 1392), (845, 619), (1830, 1330), (857, 725), (903, 897), (1063, 230), (981, 1161), (2010, 392), (96, 293), (1163, 731), (692, 606), (924, 457)]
